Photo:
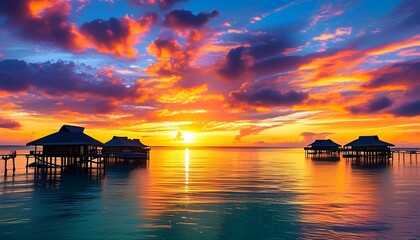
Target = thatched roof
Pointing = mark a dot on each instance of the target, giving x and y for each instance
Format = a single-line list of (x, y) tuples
[(124, 142), (324, 143), (369, 141), (67, 135)]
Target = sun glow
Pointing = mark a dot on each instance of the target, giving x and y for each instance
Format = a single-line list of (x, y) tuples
[(188, 137)]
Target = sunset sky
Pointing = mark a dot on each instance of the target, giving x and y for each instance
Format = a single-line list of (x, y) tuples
[(234, 73)]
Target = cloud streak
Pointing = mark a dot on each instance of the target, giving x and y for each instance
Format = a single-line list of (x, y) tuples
[(9, 124)]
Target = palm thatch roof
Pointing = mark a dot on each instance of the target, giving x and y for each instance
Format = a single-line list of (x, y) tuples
[(124, 142), (66, 136), (368, 141), (324, 143)]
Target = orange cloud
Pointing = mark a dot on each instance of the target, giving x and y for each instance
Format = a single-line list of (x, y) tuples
[(411, 42), (37, 7), (338, 32), (170, 55), (179, 95)]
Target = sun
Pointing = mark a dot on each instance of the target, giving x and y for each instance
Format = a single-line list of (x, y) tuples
[(188, 137)]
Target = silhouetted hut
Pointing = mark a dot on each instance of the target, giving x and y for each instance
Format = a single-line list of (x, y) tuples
[(123, 147), (70, 144), (368, 146), (69, 140), (327, 147)]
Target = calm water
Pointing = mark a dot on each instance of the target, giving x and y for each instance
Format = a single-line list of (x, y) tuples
[(215, 193)]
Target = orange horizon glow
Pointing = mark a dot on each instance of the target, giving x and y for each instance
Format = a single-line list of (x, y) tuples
[(210, 77)]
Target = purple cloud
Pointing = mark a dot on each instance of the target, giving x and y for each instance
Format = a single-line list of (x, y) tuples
[(9, 124), (408, 109), (236, 64), (400, 73), (182, 19), (105, 32), (372, 106), (409, 11), (269, 97), (263, 54), (52, 26), (89, 105), (162, 4), (58, 79)]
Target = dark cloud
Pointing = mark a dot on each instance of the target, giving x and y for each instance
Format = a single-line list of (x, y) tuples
[(402, 22), (9, 124), (400, 73), (405, 72), (50, 26), (407, 14), (373, 106), (408, 109), (89, 105), (105, 32), (162, 4), (266, 43), (58, 79), (182, 19), (378, 104), (236, 64), (269, 97), (13, 75), (263, 54), (117, 36), (279, 64)]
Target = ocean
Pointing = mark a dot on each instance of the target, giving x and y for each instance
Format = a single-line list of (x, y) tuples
[(215, 193)]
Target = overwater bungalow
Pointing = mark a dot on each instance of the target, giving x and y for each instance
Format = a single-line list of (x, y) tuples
[(70, 146), (123, 147), (323, 148), (367, 146)]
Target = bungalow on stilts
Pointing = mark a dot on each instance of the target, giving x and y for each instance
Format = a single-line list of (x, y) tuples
[(323, 150), (124, 148), (368, 148), (68, 148)]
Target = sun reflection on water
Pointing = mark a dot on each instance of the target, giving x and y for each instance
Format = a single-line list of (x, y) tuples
[(187, 167)]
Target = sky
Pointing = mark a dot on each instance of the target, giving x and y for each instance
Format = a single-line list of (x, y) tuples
[(211, 73)]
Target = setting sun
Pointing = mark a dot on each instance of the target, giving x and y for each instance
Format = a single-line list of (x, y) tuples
[(188, 137)]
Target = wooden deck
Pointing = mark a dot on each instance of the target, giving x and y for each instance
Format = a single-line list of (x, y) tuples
[(402, 153), (95, 160), (370, 157), (7, 157)]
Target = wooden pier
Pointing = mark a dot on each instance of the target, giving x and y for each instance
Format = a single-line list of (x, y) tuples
[(71, 148), (366, 151), (7, 157), (411, 154), (65, 161)]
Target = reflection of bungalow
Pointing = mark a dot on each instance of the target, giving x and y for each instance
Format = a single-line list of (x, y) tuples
[(70, 144), (367, 146), (327, 147), (126, 148)]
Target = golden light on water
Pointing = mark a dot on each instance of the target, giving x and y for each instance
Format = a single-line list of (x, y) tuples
[(187, 167)]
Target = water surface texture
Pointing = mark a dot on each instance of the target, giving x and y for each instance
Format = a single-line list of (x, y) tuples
[(215, 193)]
